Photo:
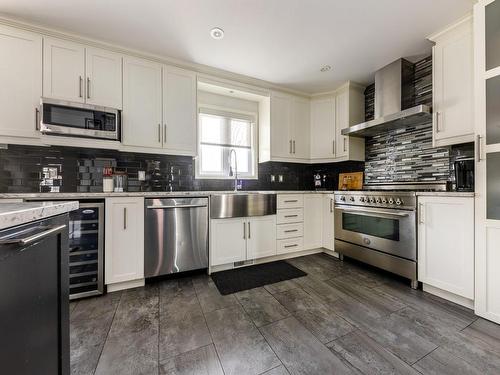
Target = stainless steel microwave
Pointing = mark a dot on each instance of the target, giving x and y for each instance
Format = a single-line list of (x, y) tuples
[(59, 117)]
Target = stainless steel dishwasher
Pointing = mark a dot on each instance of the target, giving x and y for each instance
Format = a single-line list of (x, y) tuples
[(175, 235)]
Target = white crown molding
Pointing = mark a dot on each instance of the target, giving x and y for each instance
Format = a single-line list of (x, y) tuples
[(466, 18), (198, 68)]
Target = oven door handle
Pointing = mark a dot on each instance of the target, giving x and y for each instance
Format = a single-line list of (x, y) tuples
[(368, 211)]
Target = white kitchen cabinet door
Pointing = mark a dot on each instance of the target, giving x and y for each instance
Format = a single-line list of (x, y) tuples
[(124, 239), (328, 235), (313, 221), (21, 80), (103, 84), (281, 137), (261, 237), (453, 85), (228, 241), (179, 110), (323, 128), (341, 122), (63, 70), (289, 245), (446, 244), (142, 103), (301, 118)]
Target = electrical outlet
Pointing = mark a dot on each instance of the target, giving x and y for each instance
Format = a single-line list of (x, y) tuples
[(141, 175), (273, 178), (280, 178)]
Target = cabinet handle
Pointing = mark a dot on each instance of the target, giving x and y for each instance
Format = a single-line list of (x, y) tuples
[(88, 88), (478, 146), (249, 236), (35, 237), (291, 201), (37, 125), (291, 147), (124, 218), (165, 133), (420, 213), (159, 133), (244, 231), (294, 146), (291, 215), (80, 83), (331, 205), (291, 230), (294, 245), (344, 145), (333, 147)]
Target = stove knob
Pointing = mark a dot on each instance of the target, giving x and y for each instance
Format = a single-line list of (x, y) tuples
[(399, 202), (377, 200), (391, 201), (361, 199), (372, 200), (384, 201), (342, 198), (351, 199)]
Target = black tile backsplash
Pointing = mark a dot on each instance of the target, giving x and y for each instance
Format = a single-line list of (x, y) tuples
[(31, 169)]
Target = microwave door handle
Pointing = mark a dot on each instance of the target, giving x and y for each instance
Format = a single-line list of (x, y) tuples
[(374, 212)]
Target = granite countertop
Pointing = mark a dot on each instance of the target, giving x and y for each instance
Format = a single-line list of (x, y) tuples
[(12, 214), (148, 194), (445, 193)]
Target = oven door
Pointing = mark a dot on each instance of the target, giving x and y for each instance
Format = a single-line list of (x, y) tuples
[(79, 120), (386, 230)]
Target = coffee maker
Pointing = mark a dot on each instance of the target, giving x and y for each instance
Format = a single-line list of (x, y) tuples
[(464, 175), (319, 181)]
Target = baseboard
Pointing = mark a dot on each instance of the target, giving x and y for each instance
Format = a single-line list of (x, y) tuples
[(125, 285), (229, 266), (459, 300)]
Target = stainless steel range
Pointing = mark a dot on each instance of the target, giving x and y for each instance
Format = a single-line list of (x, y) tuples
[(378, 226)]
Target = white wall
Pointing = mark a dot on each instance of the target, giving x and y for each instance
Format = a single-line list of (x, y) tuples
[(227, 102)]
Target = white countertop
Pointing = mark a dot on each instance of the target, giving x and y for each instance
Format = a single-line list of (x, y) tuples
[(445, 194), (12, 214), (149, 194)]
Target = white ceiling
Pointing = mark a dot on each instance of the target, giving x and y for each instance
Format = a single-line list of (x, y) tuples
[(282, 41)]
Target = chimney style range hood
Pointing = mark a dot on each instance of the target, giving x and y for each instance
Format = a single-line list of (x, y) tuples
[(394, 100)]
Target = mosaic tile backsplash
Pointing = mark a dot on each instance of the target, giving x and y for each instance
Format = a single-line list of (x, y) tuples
[(31, 169)]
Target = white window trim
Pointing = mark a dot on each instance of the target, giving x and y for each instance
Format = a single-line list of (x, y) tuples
[(254, 140)]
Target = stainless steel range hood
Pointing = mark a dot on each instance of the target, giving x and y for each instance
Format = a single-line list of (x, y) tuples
[(394, 99)]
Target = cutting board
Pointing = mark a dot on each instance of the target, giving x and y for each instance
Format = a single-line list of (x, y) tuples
[(351, 181)]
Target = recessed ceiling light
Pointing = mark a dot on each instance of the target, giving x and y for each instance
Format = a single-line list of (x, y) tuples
[(217, 33), (325, 68)]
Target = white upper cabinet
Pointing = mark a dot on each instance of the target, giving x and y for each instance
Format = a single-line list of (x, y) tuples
[(453, 84), (300, 129), (323, 128), (103, 84), (281, 136), (21, 80), (446, 244), (81, 74), (179, 110), (142, 103), (329, 115), (63, 70), (290, 118)]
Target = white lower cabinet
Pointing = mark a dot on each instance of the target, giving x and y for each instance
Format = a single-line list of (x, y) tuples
[(124, 240), (328, 235), (290, 245), (313, 220), (240, 239), (446, 245)]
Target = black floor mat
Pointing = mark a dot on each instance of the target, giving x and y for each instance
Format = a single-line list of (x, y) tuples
[(250, 277)]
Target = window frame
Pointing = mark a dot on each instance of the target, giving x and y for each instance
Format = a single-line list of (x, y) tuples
[(228, 113)]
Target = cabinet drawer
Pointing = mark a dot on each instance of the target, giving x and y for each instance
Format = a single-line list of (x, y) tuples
[(291, 215), (289, 245), (290, 200), (289, 231)]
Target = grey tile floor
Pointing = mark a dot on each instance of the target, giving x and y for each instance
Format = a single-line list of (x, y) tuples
[(343, 318)]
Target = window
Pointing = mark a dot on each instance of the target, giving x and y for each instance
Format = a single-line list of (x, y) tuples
[(219, 133)]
